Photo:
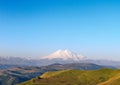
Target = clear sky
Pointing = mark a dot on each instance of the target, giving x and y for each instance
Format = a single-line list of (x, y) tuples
[(38, 27)]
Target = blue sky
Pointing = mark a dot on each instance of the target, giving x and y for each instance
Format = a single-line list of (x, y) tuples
[(38, 27)]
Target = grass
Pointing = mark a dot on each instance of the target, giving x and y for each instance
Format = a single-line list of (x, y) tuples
[(77, 77)]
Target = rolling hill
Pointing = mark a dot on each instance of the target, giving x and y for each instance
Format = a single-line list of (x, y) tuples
[(77, 77)]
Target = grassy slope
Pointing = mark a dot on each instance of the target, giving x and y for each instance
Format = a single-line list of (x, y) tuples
[(112, 81), (77, 77)]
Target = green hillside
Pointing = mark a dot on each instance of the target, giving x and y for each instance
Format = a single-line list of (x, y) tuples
[(112, 81), (77, 77)]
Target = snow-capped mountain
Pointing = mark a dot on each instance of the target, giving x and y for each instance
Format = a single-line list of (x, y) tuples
[(64, 55), (60, 56)]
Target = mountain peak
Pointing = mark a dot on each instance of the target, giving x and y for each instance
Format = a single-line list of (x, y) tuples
[(64, 55), (62, 50)]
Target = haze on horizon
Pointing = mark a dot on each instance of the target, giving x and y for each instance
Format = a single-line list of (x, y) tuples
[(39, 27)]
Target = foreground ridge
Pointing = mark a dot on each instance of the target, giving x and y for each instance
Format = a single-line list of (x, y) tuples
[(77, 77)]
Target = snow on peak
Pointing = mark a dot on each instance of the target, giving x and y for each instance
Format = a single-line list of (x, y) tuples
[(65, 55)]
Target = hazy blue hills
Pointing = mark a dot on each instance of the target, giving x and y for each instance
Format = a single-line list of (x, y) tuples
[(80, 66), (6, 66)]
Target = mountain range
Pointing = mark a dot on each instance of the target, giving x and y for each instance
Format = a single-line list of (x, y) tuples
[(60, 56)]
